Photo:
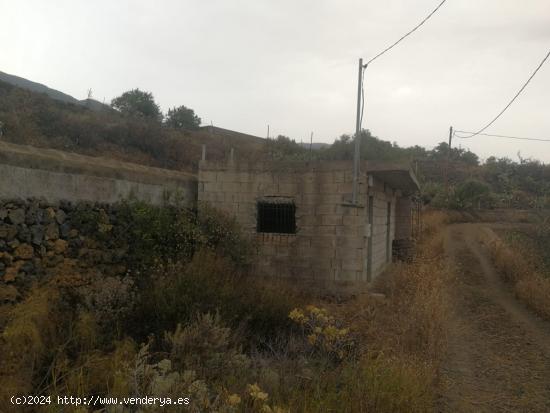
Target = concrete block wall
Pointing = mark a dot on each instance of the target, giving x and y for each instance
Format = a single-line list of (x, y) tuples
[(382, 194), (403, 210), (330, 242), (28, 172)]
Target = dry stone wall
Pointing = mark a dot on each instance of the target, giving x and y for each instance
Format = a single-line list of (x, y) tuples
[(39, 239)]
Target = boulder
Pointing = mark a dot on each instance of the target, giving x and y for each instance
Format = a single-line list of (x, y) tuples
[(3, 213)]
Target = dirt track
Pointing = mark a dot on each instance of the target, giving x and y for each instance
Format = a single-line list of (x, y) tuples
[(499, 352)]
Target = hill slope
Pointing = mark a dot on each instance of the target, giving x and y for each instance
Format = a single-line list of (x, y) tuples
[(34, 118), (54, 94)]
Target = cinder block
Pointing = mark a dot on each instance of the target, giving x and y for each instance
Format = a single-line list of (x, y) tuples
[(345, 187), (325, 209), (329, 187), (325, 230), (331, 219), (353, 221)]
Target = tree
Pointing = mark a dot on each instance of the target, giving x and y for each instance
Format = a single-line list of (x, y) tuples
[(182, 118), (137, 103), (469, 194)]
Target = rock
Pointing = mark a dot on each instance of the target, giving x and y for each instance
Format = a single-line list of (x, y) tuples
[(8, 232), (11, 274), (60, 216), (28, 267), (37, 233), (49, 215), (6, 258), (3, 245), (8, 294), (60, 246), (65, 230), (16, 216), (24, 252), (73, 233), (52, 231), (14, 244), (3, 213), (24, 233)]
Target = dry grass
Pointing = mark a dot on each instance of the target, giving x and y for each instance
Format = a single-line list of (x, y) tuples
[(393, 346), (403, 333), (517, 266)]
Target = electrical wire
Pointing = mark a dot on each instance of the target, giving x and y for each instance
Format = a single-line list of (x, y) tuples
[(387, 49), (498, 136), (513, 99)]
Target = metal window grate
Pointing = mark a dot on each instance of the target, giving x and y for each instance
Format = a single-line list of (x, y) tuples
[(276, 217)]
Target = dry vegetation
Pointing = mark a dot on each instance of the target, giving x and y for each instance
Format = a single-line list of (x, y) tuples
[(521, 263), (205, 328)]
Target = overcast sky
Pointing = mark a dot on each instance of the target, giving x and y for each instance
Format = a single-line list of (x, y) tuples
[(244, 64)]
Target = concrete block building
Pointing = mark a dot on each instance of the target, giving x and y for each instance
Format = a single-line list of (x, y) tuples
[(302, 216)]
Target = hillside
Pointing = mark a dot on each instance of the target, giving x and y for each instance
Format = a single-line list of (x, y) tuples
[(36, 119)]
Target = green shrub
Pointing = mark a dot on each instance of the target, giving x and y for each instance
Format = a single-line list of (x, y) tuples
[(175, 293)]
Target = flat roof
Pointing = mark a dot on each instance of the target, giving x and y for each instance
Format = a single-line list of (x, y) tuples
[(398, 175)]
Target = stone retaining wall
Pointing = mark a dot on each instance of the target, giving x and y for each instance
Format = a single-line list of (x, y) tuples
[(39, 239)]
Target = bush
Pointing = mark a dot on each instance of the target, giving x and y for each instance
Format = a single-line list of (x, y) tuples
[(175, 293)]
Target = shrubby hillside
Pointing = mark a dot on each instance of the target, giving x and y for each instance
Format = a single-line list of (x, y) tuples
[(36, 119), (135, 130)]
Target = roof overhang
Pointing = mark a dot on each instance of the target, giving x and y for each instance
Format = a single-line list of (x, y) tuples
[(396, 174)]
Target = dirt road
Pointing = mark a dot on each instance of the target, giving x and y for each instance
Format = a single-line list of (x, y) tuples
[(499, 352)]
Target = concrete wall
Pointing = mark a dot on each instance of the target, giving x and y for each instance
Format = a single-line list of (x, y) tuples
[(403, 211), (382, 195), (28, 172), (330, 243)]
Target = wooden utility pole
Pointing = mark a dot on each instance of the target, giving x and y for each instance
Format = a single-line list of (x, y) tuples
[(356, 156)]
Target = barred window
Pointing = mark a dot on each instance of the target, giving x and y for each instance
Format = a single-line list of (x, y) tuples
[(276, 217)]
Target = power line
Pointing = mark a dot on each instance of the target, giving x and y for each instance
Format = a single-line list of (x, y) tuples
[(387, 49), (513, 99), (498, 136), (361, 95), (407, 34)]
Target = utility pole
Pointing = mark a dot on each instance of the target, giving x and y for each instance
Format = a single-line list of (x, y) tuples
[(448, 162), (356, 156)]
